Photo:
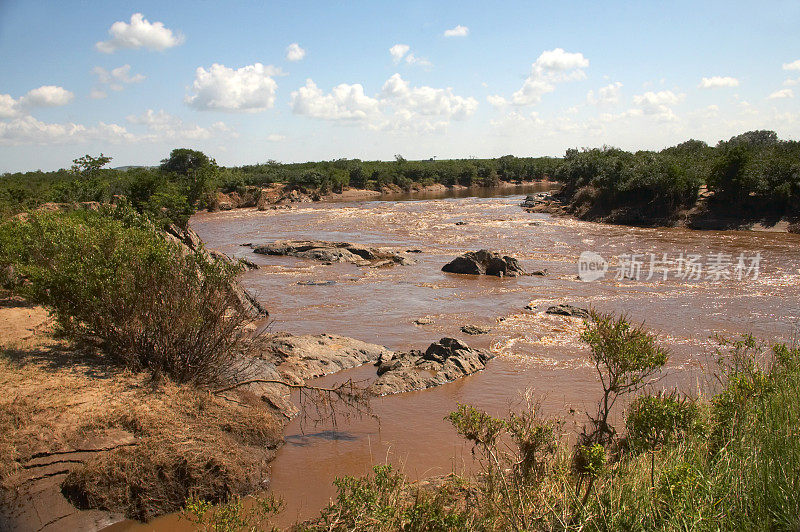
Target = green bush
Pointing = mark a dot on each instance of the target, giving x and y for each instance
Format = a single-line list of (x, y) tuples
[(660, 419), (110, 275)]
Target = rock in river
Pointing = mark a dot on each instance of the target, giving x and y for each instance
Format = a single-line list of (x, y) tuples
[(568, 310), (444, 361), (334, 252), (485, 262), (474, 329)]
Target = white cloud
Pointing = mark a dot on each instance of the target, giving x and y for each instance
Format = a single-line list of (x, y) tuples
[(9, 107), (140, 33), (496, 101), (781, 94), (426, 100), (397, 106), (401, 51), (162, 126), (97, 94), (412, 59), (115, 79), (294, 52), (794, 65), (344, 102), (608, 95), (398, 51), (28, 130), (276, 138), (458, 31), (716, 82), (551, 67), (46, 96), (558, 60), (792, 82), (658, 104), (247, 89), (117, 75)]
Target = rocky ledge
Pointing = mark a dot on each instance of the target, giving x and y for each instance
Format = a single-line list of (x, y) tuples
[(294, 359), (563, 309), (485, 262), (334, 252), (444, 361)]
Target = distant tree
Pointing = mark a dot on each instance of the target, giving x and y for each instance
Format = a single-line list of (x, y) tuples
[(757, 138), (184, 161), (198, 169), (87, 165)]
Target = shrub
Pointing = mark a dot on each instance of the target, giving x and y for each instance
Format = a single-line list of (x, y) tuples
[(152, 303), (625, 357), (660, 419)]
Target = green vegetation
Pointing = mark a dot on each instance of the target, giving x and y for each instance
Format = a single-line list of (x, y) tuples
[(753, 177), (189, 179), (728, 463), (753, 173), (108, 275)]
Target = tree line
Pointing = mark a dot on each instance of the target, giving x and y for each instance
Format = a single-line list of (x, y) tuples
[(755, 171)]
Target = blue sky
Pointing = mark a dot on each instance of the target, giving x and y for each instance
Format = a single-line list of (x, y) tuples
[(296, 81)]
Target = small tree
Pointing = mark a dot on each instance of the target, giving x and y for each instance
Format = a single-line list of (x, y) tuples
[(654, 421), (625, 358)]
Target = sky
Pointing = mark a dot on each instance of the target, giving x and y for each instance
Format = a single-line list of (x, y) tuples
[(247, 82)]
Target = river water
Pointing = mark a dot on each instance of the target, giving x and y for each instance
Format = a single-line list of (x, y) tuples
[(535, 351)]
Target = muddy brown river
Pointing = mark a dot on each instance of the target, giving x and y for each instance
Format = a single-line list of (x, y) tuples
[(535, 351)]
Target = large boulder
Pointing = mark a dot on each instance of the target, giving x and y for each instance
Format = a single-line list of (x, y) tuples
[(485, 262), (444, 361)]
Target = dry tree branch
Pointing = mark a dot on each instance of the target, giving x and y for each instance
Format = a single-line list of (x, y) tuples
[(320, 404)]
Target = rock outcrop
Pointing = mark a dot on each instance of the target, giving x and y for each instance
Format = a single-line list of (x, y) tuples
[(568, 310), (474, 329), (334, 252), (534, 200), (485, 262), (295, 359), (444, 361)]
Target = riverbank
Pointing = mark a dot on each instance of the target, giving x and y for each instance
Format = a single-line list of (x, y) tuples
[(278, 195), (130, 443), (704, 214)]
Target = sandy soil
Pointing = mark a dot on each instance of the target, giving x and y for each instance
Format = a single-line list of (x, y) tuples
[(68, 417)]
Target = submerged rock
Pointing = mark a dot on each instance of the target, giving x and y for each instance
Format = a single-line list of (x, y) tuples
[(474, 329), (533, 200), (568, 310), (334, 252), (315, 283), (444, 361), (485, 262)]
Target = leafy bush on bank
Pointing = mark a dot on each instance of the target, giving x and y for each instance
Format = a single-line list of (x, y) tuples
[(110, 275)]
